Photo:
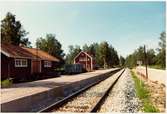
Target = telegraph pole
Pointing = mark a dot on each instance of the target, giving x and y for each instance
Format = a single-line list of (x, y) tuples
[(145, 59)]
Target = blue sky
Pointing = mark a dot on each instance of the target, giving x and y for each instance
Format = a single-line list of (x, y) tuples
[(125, 25)]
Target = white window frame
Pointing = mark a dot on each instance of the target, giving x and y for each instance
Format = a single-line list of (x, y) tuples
[(47, 64), (21, 63), (82, 59)]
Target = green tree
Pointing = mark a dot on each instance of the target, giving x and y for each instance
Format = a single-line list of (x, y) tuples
[(73, 51), (162, 42), (130, 61), (104, 53), (113, 58), (91, 49), (151, 57), (51, 45), (121, 61), (161, 56), (86, 48), (139, 54), (96, 52), (12, 31)]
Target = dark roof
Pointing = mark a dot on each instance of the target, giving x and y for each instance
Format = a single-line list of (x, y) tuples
[(41, 54), (15, 51), (23, 52), (84, 53)]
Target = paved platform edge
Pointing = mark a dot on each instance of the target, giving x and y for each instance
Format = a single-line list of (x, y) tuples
[(26, 104)]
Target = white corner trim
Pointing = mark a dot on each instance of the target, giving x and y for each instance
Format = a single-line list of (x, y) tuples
[(5, 53), (80, 53)]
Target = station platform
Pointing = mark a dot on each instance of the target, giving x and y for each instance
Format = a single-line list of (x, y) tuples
[(31, 96)]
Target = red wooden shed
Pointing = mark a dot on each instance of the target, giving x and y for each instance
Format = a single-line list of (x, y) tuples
[(86, 59)]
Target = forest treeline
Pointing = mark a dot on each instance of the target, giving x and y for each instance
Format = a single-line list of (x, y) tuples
[(155, 58), (105, 54), (12, 32)]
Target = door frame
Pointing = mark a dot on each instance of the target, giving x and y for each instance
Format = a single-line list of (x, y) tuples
[(32, 66)]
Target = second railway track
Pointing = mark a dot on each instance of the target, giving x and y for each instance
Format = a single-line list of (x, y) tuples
[(88, 99)]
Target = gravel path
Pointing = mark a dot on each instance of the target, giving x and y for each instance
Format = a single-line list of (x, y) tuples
[(122, 97), (153, 74)]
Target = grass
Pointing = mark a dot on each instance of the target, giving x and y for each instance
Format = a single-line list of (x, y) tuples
[(6, 83), (143, 94), (156, 67)]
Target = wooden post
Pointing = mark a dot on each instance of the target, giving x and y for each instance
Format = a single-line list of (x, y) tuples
[(145, 59), (9, 68), (86, 61)]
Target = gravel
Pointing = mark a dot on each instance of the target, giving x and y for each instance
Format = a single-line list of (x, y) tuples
[(122, 98), (85, 101)]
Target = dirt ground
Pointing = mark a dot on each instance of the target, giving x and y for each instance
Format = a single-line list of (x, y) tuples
[(157, 93)]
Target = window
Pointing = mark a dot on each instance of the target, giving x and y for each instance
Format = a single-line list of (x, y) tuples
[(47, 64), (82, 59), (20, 62)]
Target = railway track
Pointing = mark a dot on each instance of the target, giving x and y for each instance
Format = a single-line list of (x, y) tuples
[(87, 99)]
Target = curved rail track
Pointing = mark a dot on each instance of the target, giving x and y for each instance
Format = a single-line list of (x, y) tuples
[(87, 99)]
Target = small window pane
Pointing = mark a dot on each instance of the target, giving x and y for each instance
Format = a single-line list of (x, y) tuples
[(47, 64), (24, 62), (20, 63)]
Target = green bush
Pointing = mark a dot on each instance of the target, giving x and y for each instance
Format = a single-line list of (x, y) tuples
[(6, 83), (149, 107), (143, 94)]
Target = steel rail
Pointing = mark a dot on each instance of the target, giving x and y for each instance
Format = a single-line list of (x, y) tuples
[(98, 104), (60, 103)]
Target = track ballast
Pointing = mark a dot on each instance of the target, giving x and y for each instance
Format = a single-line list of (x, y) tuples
[(87, 99)]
